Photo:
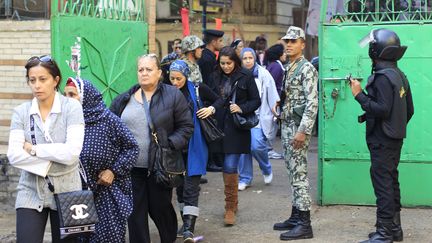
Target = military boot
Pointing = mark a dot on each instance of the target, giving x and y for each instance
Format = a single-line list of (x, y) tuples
[(303, 229), (289, 223), (189, 227), (396, 228), (383, 232)]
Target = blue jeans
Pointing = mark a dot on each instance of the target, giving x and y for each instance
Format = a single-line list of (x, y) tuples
[(259, 150), (231, 163)]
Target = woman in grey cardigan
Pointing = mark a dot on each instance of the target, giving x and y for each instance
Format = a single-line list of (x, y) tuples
[(46, 138)]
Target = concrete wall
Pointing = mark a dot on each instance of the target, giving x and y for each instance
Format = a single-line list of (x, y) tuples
[(19, 40)]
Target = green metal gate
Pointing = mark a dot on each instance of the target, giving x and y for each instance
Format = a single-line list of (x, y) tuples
[(344, 160), (111, 35)]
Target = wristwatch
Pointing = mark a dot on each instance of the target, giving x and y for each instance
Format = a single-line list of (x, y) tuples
[(33, 152)]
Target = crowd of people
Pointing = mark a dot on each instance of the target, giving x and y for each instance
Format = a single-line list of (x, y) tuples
[(201, 78)]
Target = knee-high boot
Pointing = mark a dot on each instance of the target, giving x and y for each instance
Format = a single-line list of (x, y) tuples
[(231, 198)]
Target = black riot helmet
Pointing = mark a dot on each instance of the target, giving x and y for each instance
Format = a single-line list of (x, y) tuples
[(385, 45)]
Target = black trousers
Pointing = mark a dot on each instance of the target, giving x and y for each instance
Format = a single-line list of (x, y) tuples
[(30, 226), (188, 192), (385, 178), (151, 199)]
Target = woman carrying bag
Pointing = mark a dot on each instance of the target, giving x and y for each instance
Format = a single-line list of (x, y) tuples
[(230, 77), (46, 138), (197, 153)]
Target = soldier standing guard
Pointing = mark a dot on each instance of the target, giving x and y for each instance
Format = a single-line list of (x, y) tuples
[(388, 107), (298, 112)]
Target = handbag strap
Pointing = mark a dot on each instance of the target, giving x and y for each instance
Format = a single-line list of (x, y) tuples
[(233, 93), (47, 179), (146, 106), (198, 99)]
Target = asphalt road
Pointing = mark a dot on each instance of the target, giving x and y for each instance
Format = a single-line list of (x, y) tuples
[(260, 206)]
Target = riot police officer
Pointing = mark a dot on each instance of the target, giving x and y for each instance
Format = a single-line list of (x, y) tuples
[(388, 108)]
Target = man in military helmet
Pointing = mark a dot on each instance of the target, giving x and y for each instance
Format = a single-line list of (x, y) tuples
[(388, 107), (298, 111), (192, 48)]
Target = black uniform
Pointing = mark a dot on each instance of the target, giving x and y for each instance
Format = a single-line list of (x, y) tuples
[(388, 107), (207, 64)]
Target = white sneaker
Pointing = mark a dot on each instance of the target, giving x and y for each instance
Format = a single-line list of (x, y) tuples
[(267, 179), (274, 155), (242, 186)]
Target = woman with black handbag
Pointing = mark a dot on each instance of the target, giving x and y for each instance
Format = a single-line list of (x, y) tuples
[(230, 78), (108, 155), (197, 153), (45, 142), (152, 107)]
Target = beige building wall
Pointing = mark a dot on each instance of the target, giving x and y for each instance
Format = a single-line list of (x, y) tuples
[(19, 40)]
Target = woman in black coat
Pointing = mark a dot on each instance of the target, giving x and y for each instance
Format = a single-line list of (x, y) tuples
[(170, 114), (230, 77)]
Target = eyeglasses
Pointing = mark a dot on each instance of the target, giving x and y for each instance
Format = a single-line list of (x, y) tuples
[(291, 40), (44, 58), (177, 47)]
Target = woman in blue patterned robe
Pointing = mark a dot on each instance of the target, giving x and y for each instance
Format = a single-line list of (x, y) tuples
[(109, 153)]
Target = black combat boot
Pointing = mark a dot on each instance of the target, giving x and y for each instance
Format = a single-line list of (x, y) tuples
[(396, 228), (289, 223), (383, 232), (303, 229), (189, 227)]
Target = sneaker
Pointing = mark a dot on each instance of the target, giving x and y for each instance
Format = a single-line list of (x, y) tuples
[(267, 179), (242, 186), (274, 155)]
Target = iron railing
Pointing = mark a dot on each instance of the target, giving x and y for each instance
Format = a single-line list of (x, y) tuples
[(367, 11), (124, 10)]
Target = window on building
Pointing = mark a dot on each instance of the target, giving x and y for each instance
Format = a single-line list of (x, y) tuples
[(24, 9), (254, 7)]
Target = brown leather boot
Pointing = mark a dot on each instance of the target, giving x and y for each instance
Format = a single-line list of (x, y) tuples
[(231, 198)]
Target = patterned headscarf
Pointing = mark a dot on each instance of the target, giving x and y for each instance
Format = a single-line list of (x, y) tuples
[(180, 66), (255, 67), (91, 99)]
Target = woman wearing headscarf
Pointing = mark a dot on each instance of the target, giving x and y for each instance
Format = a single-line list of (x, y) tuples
[(230, 77), (170, 115), (265, 131), (108, 155), (275, 57), (197, 153)]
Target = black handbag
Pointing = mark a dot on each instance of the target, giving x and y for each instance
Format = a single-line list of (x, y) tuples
[(208, 125), (76, 209), (243, 121), (168, 165)]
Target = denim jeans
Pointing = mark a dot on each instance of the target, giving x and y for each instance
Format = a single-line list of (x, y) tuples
[(259, 150), (231, 163)]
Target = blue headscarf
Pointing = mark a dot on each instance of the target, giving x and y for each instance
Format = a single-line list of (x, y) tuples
[(180, 66), (254, 69)]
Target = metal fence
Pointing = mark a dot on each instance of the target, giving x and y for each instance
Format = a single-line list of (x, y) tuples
[(362, 11), (127, 10)]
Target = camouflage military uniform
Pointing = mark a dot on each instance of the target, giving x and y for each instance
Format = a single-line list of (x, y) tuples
[(195, 73), (301, 94)]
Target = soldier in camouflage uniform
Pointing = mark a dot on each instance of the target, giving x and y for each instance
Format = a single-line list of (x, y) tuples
[(192, 47), (298, 112)]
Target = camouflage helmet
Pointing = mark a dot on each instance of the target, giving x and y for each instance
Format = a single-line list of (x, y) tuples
[(190, 43)]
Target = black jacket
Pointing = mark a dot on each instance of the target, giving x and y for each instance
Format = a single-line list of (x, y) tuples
[(236, 141), (207, 64), (170, 115), (388, 105)]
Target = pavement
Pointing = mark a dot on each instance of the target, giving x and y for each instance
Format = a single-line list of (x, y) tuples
[(260, 206)]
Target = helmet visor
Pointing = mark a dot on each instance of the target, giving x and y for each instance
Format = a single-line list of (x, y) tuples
[(366, 39)]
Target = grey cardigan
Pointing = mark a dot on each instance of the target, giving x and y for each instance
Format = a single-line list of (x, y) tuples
[(61, 145)]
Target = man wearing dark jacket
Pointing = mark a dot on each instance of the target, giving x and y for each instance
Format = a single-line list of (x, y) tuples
[(388, 108), (207, 63)]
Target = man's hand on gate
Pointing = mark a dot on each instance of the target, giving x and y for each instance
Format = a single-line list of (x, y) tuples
[(299, 140), (355, 87)]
